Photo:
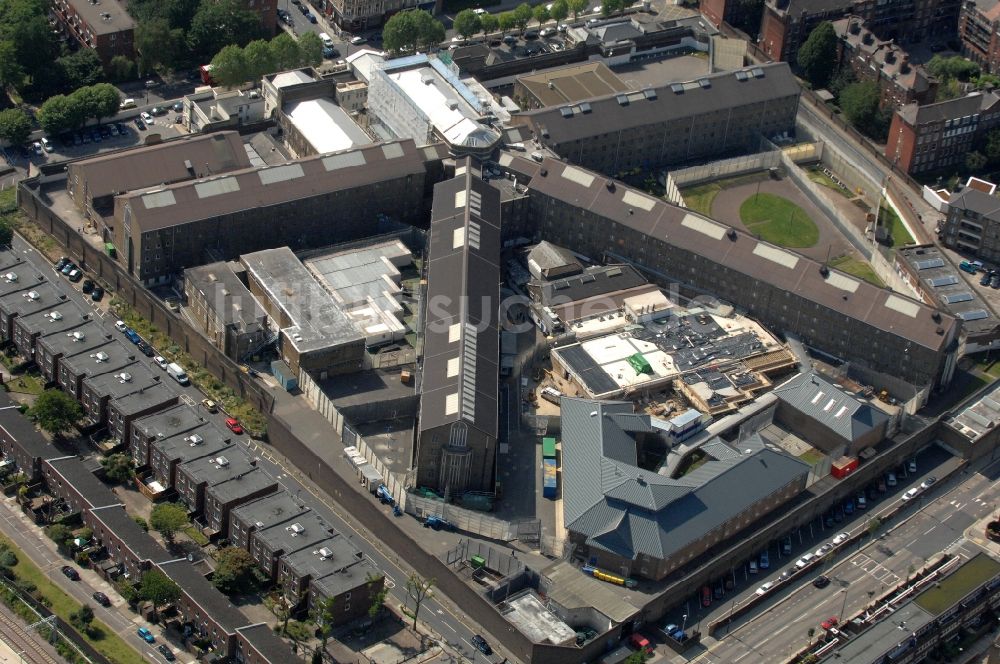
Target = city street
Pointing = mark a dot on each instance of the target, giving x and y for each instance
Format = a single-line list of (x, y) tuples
[(936, 524)]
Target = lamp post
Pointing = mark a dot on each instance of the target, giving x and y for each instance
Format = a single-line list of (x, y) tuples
[(684, 621)]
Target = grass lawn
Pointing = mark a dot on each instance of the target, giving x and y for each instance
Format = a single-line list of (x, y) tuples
[(858, 268), (989, 364), (888, 218), (776, 219), (196, 535), (821, 178), (958, 584), (101, 638), (812, 457), (699, 197), (25, 384)]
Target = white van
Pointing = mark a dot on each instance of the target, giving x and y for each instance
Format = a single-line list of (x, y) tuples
[(127, 103), (177, 372), (325, 38)]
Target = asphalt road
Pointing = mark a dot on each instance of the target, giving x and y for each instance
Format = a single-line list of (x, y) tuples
[(935, 524)]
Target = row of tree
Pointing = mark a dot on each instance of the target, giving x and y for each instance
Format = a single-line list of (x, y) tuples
[(67, 112), (468, 23), (411, 31), (234, 65)]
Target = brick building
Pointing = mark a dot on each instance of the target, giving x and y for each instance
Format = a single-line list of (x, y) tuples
[(979, 32), (935, 137), (224, 308), (973, 224), (102, 25)]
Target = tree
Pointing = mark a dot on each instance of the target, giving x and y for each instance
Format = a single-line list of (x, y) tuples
[(955, 66), (607, 7), (80, 69), (817, 56), (810, 633), (259, 59), (11, 71), (219, 24), (6, 235), (139, 521), (55, 411), (118, 467), (310, 49), (400, 33), (157, 589), (234, 572), (158, 44), (324, 614), (522, 15), (430, 31), (86, 102), (60, 534), (489, 23), (577, 6), (873, 525), (559, 11), (418, 590), (506, 22), (467, 23), (167, 519), (82, 618), (7, 560), (975, 161), (378, 599), (284, 51), (638, 657), (105, 100), (859, 101), (992, 144), (540, 14), (121, 68), (229, 66), (15, 126)]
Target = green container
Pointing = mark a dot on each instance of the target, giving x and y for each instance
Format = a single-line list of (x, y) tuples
[(477, 561)]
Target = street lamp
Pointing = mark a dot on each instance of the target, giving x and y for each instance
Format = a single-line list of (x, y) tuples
[(684, 621)]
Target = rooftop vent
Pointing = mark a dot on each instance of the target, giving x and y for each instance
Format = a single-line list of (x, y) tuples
[(936, 316), (704, 82), (566, 112), (855, 28), (742, 76), (610, 185), (757, 72), (101, 357), (622, 100), (194, 440), (32, 295), (124, 377), (677, 88), (296, 529), (222, 461), (649, 94), (11, 277), (325, 553), (78, 336), (54, 316), (585, 107)]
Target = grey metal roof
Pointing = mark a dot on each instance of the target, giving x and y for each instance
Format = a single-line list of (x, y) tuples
[(593, 282), (548, 256), (268, 511), (822, 400), (606, 114), (461, 332), (630, 511), (975, 102), (240, 486), (977, 201)]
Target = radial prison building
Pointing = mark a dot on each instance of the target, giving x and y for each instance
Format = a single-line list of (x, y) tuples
[(457, 430), (873, 328)]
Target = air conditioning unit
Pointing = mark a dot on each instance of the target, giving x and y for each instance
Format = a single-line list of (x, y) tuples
[(32, 295), (296, 529), (325, 553), (78, 336), (54, 316), (101, 356), (222, 461), (11, 277), (194, 439), (125, 377)]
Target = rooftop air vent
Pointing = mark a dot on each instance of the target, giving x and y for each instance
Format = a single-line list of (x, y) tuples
[(677, 88), (125, 377), (936, 316), (622, 100), (585, 107), (566, 112), (296, 529), (222, 461), (704, 82), (649, 94), (33, 295), (101, 357), (54, 316), (78, 336), (11, 277), (325, 553), (194, 440)]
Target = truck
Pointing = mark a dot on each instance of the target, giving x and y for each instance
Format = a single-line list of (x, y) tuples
[(177, 372), (970, 266), (550, 479), (383, 495), (437, 523)]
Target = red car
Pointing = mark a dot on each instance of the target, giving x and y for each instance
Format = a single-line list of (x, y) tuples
[(706, 596), (829, 622), (233, 425)]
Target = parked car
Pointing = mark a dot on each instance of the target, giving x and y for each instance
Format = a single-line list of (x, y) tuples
[(97, 294), (481, 645), (132, 336), (985, 281), (161, 362), (823, 550), (70, 573), (804, 560), (36, 147), (101, 598), (719, 591), (829, 622), (840, 539), (47, 145), (167, 653), (146, 117), (849, 506), (88, 286), (121, 326), (67, 268), (786, 546), (765, 560), (311, 17), (75, 276), (995, 281), (233, 425), (752, 567), (158, 111), (358, 39), (146, 635), (890, 479), (911, 466), (146, 349), (928, 483), (140, 125), (706, 596), (764, 588), (910, 495), (786, 575), (821, 581), (210, 405), (862, 501), (178, 106), (61, 263)]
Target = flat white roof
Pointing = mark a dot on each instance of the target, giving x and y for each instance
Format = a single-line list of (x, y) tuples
[(326, 126), (450, 114)]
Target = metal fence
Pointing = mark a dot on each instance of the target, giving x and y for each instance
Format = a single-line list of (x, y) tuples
[(471, 521), (724, 168)]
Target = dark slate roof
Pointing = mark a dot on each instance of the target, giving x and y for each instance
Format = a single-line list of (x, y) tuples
[(88, 364), (115, 385), (548, 256), (282, 537), (607, 114), (267, 643), (241, 486), (121, 523), (269, 510), (207, 470), (93, 335), (593, 282), (177, 420), (630, 511), (159, 395), (976, 102), (323, 558), (815, 396), (345, 580), (23, 431), (980, 202), (73, 472), (461, 334), (202, 593)]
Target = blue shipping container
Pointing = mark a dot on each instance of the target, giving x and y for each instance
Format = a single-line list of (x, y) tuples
[(550, 480)]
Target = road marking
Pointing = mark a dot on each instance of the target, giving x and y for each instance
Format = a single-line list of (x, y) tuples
[(188, 400)]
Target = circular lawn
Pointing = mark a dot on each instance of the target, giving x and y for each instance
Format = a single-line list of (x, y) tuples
[(779, 221)]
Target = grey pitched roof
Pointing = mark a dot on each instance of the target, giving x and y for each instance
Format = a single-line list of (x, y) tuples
[(461, 334), (980, 202), (548, 256), (630, 511), (970, 104), (594, 281), (819, 398)]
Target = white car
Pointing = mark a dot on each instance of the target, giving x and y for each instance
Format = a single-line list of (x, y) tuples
[(911, 494), (840, 539), (47, 145), (121, 326), (764, 588), (546, 32), (357, 40), (928, 483), (563, 27), (146, 117), (804, 560), (478, 11), (37, 147), (161, 362), (823, 550)]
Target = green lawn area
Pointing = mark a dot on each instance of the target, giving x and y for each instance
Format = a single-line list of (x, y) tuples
[(25, 384), (812, 457), (858, 268), (196, 535), (821, 178), (958, 584), (989, 364), (101, 638), (700, 198), (776, 219), (888, 218)]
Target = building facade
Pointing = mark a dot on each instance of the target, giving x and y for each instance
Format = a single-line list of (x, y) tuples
[(979, 31), (105, 27)]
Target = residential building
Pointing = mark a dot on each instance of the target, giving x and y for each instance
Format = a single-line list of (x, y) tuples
[(671, 124), (99, 389), (277, 508), (166, 454), (225, 310), (217, 109), (101, 25), (111, 356), (566, 85), (179, 420), (935, 137), (222, 498), (973, 224), (125, 409), (193, 477), (42, 298), (22, 447), (883, 63), (49, 350), (31, 329), (316, 334), (352, 589), (635, 522), (269, 544), (297, 569), (457, 427), (979, 31)]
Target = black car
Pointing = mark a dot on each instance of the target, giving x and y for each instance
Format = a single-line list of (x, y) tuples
[(97, 294), (70, 573), (481, 645), (62, 263), (985, 281), (146, 349), (303, 9), (122, 129), (140, 124), (104, 131), (821, 581), (101, 598), (166, 652), (88, 286)]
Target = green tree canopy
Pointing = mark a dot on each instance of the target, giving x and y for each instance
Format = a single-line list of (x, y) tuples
[(167, 519), (234, 571), (540, 14), (121, 68), (157, 589), (489, 23), (577, 6), (310, 49), (859, 101), (522, 15), (992, 144), (229, 66), (284, 51), (817, 56), (11, 71), (559, 11), (15, 126), (259, 58), (410, 30), (80, 69), (467, 23), (975, 161), (60, 534), (158, 44), (955, 66), (219, 24), (105, 100), (55, 411), (118, 467), (506, 21), (32, 46)]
